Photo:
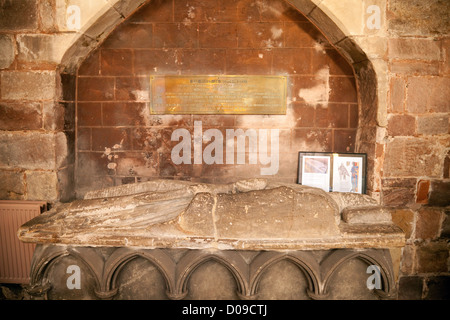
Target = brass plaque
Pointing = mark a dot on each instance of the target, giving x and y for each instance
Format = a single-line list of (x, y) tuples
[(218, 94)]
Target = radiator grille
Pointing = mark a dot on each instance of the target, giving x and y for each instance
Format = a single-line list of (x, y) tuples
[(15, 256)]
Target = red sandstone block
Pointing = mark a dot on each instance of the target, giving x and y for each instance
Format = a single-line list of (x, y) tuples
[(158, 61), (84, 139), (95, 88), (292, 61), (303, 115), (89, 114), (132, 88), (228, 10), (203, 61), (20, 116), (433, 124), (401, 125), (137, 164), (19, 15), (423, 187), (303, 35), (331, 59), (115, 138), (279, 11), (332, 116), (94, 164), (344, 140), (353, 116), (397, 95), (123, 114), (91, 65), (155, 139), (428, 94), (154, 11), (432, 257), (175, 35), (246, 10), (248, 61), (420, 49), (116, 62), (402, 154), (260, 35), (189, 11), (343, 89), (415, 67), (130, 35), (217, 35), (312, 140), (397, 196), (168, 169)]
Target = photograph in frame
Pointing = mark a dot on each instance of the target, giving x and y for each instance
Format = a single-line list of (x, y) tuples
[(349, 173), (315, 170)]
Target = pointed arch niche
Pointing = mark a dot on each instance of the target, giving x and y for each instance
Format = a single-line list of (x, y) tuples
[(332, 86)]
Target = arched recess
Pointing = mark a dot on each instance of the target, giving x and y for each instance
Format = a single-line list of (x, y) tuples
[(366, 78)]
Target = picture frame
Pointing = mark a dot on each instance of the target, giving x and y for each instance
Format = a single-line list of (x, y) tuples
[(333, 172), (315, 170)]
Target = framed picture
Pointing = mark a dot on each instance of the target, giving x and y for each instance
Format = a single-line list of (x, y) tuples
[(315, 170), (338, 172), (349, 172)]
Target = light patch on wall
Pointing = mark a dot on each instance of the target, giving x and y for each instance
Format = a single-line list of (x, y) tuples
[(275, 9), (276, 32), (320, 93)]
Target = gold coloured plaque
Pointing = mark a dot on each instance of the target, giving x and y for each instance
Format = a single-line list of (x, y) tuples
[(218, 94)]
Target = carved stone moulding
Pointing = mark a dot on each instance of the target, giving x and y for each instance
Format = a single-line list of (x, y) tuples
[(132, 273)]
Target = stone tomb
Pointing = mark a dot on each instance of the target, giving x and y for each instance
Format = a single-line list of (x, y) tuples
[(253, 239)]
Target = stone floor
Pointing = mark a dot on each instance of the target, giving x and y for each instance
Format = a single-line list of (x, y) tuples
[(11, 291)]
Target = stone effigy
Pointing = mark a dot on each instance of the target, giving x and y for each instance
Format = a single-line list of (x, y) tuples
[(253, 214)]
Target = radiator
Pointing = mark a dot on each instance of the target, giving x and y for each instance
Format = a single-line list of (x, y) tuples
[(15, 256)]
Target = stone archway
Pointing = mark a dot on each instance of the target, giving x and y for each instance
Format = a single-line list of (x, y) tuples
[(366, 77)]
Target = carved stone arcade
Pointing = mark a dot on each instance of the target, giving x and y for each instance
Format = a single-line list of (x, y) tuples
[(247, 227)]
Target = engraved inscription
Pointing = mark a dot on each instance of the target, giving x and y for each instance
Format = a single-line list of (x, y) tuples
[(218, 95)]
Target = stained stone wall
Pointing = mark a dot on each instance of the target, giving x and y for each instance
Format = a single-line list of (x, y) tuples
[(118, 141), (401, 71)]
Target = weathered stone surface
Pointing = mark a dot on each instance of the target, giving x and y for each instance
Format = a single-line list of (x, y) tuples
[(407, 156), (423, 188), (440, 193), (43, 47), (432, 257), (372, 214), (410, 288), (42, 185), (445, 231), (438, 288), (428, 94), (251, 214), (32, 150), (403, 218), (12, 186), (7, 50), (414, 17), (433, 124), (18, 15), (20, 116), (40, 85), (428, 222), (414, 48)]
